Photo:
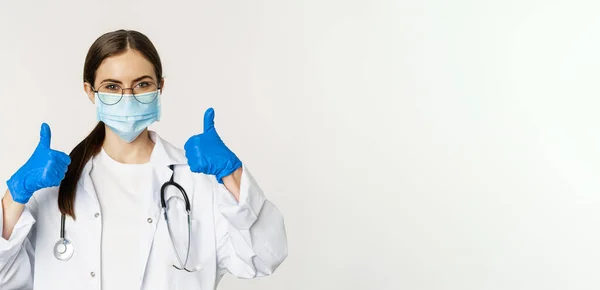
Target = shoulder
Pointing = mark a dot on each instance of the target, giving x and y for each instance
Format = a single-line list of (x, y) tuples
[(43, 199), (199, 181), (46, 195), (171, 151)]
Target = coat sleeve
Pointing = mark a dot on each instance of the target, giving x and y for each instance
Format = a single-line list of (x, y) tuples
[(250, 234), (17, 253)]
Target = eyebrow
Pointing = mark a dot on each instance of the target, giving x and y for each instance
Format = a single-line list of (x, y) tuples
[(120, 82)]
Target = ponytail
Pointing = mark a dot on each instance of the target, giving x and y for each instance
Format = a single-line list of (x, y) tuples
[(81, 154)]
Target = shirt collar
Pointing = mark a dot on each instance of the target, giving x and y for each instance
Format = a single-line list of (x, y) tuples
[(163, 155)]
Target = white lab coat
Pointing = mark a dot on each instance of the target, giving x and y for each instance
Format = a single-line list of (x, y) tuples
[(246, 239)]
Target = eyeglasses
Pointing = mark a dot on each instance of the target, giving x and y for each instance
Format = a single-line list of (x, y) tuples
[(110, 93)]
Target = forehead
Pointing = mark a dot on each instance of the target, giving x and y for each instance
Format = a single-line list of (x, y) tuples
[(124, 67)]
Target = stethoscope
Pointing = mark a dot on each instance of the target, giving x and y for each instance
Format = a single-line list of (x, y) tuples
[(63, 249)]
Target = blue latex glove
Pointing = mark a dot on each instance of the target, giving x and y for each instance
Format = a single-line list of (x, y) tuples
[(45, 168), (206, 153)]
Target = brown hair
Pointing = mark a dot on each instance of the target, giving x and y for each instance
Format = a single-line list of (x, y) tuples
[(107, 45)]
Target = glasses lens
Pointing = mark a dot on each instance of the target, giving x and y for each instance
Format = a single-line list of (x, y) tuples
[(110, 94), (145, 92)]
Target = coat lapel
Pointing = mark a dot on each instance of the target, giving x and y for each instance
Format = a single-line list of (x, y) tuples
[(163, 155)]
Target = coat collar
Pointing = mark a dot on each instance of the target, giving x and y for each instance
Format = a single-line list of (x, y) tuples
[(164, 153)]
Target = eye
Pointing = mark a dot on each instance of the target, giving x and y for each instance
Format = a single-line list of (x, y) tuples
[(111, 88), (143, 85)]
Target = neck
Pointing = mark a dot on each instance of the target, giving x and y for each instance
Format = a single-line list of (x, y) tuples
[(136, 152)]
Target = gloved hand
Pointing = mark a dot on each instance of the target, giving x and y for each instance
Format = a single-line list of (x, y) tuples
[(45, 168), (206, 153)]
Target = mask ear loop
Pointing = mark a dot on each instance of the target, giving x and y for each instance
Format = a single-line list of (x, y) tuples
[(158, 104)]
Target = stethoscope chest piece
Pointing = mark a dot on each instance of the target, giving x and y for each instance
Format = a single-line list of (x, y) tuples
[(63, 249)]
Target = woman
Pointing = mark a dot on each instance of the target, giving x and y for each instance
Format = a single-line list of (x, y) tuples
[(97, 218)]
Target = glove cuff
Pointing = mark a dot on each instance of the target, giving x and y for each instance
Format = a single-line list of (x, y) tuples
[(17, 191), (229, 170)]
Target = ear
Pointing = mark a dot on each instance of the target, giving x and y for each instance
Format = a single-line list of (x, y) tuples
[(162, 85), (88, 90)]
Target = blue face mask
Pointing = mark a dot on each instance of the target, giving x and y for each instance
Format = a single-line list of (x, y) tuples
[(128, 118)]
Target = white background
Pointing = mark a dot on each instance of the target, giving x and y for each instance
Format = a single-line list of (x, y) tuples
[(409, 144)]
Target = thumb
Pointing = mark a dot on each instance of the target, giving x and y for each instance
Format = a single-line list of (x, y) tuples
[(209, 119), (45, 135)]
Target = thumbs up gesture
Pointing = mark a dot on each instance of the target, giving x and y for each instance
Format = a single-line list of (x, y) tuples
[(45, 168), (206, 153)]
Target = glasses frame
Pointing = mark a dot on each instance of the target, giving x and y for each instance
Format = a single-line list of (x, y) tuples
[(158, 88)]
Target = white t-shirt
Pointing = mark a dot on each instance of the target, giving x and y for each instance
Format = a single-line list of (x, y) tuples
[(124, 192)]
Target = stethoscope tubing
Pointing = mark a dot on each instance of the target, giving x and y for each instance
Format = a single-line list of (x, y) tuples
[(63, 249)]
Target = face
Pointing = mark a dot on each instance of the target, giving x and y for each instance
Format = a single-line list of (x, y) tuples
[(126, 70)]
